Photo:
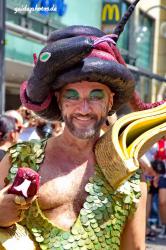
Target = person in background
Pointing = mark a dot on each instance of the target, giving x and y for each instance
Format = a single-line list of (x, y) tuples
[(8, 134), (44, 129), (151, 178), (38, 128), (30, 122), (18, 117), (157, 157), (157, 189), (57, 128)]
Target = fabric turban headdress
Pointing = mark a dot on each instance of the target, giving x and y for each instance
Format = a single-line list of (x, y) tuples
[(74, 54)]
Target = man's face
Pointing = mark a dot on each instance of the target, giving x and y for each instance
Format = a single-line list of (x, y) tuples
[(84, 107)]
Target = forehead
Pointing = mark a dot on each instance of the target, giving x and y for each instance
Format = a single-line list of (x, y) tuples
[(86, 86)]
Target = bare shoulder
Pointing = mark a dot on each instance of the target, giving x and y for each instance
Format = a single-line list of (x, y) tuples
[(5, 164), (4, 169), (133, 236)]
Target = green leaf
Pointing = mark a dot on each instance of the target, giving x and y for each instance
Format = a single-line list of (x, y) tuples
[(127, 200)]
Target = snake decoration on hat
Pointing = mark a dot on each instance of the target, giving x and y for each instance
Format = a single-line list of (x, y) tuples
[(80, 53)]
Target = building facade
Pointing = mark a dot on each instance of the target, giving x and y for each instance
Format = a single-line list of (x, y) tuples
[(142, 43)]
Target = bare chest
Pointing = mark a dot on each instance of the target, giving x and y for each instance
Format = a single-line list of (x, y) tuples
[(64, 175), (63, 184)]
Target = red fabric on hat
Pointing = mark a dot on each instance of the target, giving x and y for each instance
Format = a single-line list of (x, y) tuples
[(102, 55), (118, 55), (28, 104), (106, 51), (137, 104)]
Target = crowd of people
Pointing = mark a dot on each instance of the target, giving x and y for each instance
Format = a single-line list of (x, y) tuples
[(27, 126)]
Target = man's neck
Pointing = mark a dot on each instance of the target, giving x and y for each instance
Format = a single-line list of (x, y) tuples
[(76, 143)]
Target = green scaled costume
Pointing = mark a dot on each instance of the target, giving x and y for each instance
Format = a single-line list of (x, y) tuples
[(102, 218)]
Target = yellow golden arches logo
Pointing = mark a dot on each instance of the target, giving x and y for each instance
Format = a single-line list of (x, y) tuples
[(110, 12)]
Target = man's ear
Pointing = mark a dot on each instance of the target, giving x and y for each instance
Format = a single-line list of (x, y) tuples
[(111, 100)]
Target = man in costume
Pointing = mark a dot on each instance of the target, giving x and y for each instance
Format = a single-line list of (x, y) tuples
[(79, 77)]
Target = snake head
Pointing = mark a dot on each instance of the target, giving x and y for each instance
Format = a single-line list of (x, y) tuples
[(26, 183)]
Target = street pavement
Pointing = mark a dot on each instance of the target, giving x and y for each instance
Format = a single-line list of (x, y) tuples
[(156, 245)]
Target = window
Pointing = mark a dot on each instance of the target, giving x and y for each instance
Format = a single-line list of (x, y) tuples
[(144, 42), (123, 41), (12, 17), (36, 26), (33, 21)]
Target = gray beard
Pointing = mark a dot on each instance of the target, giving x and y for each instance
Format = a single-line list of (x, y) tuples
[(84, 133)]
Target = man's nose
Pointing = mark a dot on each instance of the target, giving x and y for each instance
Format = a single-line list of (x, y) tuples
[(84, 107)]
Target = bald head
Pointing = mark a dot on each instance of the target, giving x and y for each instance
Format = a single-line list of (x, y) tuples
[(15, 114)]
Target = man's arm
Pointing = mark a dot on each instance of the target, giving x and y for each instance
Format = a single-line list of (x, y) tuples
[(133, 237), (10, 212), (146, 166)]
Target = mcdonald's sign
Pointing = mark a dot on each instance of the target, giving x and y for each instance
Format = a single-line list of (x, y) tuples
[(111, 12)]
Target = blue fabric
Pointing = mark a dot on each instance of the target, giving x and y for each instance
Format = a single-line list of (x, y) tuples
[(162, 181)]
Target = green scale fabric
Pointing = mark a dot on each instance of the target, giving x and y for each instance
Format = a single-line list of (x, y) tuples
[(102, 218)]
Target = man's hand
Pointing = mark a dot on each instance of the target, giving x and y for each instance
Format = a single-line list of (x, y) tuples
[(10, 211)]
